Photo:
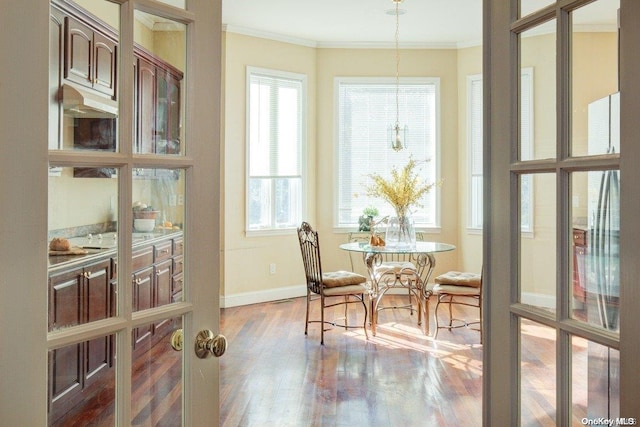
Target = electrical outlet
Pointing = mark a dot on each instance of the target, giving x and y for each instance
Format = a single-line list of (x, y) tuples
[(180, 199), (272, 268)]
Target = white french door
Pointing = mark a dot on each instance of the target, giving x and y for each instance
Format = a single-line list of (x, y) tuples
[(45, 194), (561, 301)]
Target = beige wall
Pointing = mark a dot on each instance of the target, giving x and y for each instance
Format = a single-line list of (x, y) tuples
[(246, 259), (470, 241)]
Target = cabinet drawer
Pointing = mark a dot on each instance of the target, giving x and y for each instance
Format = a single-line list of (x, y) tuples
[(178, 263), (142, 258), (177, 283), (162, 251), (178, 245)]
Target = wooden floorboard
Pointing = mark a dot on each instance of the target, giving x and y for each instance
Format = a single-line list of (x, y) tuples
[(274, 375)]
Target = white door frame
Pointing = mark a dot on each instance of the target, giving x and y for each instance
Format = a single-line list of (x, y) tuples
[(501, 387), (24, 160)]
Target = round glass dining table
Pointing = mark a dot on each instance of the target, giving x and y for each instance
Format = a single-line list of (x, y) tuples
[(392, 267)]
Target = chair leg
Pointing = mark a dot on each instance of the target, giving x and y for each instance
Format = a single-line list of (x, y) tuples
[(322, 320), (346, 318), (364, 324), (450, 311), (306, 323), (435, 316)]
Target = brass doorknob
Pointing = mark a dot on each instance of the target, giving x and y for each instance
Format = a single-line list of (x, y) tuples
[(208, 344), (176, 340)]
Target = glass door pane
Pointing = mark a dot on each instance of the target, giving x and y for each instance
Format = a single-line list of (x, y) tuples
[(160, 64), (595, 111)]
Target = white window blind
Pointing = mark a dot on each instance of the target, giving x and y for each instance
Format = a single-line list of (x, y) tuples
[(275, 130), (474, 138), (366, 112)]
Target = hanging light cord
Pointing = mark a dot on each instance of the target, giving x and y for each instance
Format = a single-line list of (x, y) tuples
[(397, 2)]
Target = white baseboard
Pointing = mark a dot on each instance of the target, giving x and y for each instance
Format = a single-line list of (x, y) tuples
[(247, 298)]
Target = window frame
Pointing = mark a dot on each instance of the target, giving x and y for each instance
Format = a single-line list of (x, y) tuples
[(436, 160), (303, 80), (526, 152)]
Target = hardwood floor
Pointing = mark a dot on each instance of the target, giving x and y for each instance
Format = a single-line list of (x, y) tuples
[(274, 375)]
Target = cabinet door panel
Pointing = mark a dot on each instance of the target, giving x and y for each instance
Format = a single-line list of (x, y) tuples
[(164, 276), (142, 300), (146, 106), (65, 371), (98, 291), (104, 78), (97, 358), (64, 299), (78, 52)]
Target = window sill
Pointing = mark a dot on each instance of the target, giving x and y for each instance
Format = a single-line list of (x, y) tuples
[(270, 232)]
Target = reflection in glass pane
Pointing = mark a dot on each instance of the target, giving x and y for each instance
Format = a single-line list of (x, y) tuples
[(595, 381), (529, 6), (175, 3), (157, 377), (81, 383), (82, 233), (538, 374), (596, 255), (160, 65), (538, 241), (538, 119), (595, 102), (83, 107), (158, 218)]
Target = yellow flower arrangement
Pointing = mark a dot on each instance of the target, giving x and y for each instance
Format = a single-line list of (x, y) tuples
[(402, 190)]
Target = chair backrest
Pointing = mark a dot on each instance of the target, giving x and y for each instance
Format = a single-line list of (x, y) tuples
[(310, 249)]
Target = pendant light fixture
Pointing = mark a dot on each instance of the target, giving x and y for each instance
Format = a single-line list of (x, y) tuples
[(398, 133)]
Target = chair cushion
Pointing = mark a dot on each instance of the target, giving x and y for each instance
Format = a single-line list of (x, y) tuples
[(456, 278), (346, 290), (456, 290), (341, 278)]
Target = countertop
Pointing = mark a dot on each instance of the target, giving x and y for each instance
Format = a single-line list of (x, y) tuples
[(104, 246)]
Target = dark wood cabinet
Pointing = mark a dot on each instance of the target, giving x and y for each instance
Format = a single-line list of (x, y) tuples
[(90, 57), (87, 293), (158, 104), (145, 103), (163, 276), (168, 112), (579, 254), (76, 296)]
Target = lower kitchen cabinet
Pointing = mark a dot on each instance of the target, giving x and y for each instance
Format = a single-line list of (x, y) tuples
[(87, 292)]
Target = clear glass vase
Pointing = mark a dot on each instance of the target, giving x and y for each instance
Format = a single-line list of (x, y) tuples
[(401, 233)]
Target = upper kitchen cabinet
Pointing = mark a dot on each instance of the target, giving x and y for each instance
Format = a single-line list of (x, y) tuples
[(90, 57), (158, 89), (161, 63), (84, 86)]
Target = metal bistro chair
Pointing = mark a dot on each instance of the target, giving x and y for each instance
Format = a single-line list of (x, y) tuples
[(455, 287), (344, 284)]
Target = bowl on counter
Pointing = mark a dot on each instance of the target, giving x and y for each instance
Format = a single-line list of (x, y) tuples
[(144, 224)]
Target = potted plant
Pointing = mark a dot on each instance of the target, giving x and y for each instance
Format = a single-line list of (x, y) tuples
[(366, 219)]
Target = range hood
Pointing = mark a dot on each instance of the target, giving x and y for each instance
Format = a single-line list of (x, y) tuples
[(83, 103)]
